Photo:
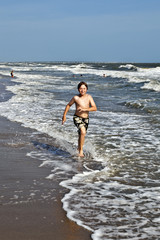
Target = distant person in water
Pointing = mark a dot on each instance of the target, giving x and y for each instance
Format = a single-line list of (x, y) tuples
[(12, 74), (84, 104)]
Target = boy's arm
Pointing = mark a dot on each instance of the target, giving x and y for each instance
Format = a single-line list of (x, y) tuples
[(67, 109), (93, 106)]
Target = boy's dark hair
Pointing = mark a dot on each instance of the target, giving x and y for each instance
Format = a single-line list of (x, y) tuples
[(82, 83)]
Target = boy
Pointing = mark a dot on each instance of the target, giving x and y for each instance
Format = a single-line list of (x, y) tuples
[(84, 104)]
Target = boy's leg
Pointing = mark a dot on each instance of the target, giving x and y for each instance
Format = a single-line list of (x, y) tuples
[(81, 139)]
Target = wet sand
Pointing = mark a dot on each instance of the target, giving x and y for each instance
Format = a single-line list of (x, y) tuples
[(30, 204)]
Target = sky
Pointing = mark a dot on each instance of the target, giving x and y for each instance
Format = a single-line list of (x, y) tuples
[(80, 30)]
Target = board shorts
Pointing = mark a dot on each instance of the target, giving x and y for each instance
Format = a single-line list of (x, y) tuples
[(80, 122)]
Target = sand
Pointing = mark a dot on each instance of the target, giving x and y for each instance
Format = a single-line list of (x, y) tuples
[(30, 204)]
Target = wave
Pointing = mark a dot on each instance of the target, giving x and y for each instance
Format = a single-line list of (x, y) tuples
[(129, 67), (81, 65), (144, 106), (135, 104), (152, 85), (139, 75), (129, 72)]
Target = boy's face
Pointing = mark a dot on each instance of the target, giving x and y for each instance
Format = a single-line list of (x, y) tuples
[(82, 90)]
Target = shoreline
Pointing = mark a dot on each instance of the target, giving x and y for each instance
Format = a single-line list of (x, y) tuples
[(30, 204)]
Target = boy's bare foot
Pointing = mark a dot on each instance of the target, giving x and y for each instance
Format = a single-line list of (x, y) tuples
[(80, 154)]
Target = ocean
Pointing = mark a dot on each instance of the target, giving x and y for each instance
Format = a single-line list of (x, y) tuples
[(114, 191)]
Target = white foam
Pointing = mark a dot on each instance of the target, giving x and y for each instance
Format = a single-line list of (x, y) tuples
[(128, 66), (70, 213), (152, 85)]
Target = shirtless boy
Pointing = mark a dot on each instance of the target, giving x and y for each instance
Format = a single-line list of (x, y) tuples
[(84, 104)]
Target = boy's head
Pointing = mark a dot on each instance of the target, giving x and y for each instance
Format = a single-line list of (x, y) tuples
[(82, 83)]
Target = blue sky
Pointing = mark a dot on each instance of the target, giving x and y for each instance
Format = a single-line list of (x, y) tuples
[(80, 30)]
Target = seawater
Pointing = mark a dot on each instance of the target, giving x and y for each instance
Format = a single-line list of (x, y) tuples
[(115, 190)]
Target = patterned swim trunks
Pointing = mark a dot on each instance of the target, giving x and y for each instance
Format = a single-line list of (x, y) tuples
[(80, 122)]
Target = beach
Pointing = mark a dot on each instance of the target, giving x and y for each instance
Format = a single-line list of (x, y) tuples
[(47, 192), (30, 204)]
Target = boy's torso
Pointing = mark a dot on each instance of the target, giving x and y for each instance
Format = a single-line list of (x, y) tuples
[(82, 102)]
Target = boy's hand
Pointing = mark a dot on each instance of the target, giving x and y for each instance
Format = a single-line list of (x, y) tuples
[(63, 119), (79, 109)]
